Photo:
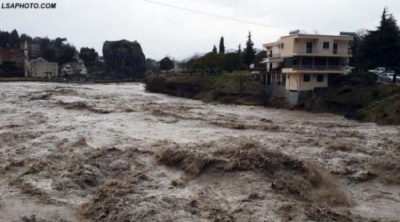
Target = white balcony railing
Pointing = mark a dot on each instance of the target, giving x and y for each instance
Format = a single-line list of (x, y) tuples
[(317, 68), (274, 55), (304, 50), (342, 52), (315, 51)]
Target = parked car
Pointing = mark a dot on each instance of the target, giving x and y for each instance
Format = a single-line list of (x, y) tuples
[(388, 77), (348, 69), (390, 72), (377, 70)]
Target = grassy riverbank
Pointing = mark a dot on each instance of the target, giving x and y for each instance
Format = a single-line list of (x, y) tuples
[(358, 97), (374, 102), (235, 88)]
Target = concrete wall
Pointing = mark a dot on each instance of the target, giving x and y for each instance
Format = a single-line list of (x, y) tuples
[(292, 97), (279, 91)]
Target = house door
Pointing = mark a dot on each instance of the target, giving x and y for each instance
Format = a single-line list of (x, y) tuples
[(309, 47), (335, 48)]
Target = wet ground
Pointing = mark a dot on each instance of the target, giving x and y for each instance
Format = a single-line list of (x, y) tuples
[(117, 153)]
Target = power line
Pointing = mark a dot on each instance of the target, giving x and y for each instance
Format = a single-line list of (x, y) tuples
[(218, 16)]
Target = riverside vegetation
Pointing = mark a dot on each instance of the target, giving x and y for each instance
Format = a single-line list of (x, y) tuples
[(356, 96)]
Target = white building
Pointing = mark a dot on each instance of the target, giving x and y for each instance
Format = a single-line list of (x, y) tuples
[(74, 68), (26, 60), (42, 68)]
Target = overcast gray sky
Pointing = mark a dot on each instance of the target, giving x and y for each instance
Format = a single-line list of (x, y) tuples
[(165, 31)]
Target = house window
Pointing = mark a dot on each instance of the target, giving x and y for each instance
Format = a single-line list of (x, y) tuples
[(320, 78), (306, 78), (325, 45), (283, 46)]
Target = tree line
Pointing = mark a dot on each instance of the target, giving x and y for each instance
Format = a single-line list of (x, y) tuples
[(217, 60), (53, 50)]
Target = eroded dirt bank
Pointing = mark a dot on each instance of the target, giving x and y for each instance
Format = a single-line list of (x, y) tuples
[(116, 153)]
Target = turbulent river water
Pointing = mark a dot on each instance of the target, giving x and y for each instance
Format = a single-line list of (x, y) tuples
[(115, 152)]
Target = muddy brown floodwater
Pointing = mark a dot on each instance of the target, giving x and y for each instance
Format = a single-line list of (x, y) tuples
[(118, 153)]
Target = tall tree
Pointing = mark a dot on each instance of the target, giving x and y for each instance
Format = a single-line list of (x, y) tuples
[(382, 46), (152, 65), (25, 37), (14, 38), (58, 42), (66, 53), (221, 46), (166, 64), (356, 47), (88, 55), (124, 59), (239, 49), (231, 62), (49, 54), (5, 39), (214, 50), (249, 52), (259, 58)]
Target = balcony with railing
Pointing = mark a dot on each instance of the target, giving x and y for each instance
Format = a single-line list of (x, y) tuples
[(311, 51), (274, 57), (342, 52), (317, 68), (305, 50)]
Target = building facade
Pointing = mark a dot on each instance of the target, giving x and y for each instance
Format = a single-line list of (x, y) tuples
[(74, 68), (298, 64), (43, 69), (34, 48)]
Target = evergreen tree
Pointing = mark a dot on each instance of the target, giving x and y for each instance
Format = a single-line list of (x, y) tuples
[(221, 46), (214, 50), (25, 37), (356, 47), (49, 54), (381, 48), (249, 52), (14, 39), (239, 49)]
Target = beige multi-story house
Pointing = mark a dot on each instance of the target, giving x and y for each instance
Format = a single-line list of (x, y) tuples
[(298, 64), (42, 68)]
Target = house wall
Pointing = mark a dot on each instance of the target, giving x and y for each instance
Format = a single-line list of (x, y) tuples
[(40, 68), (313, 82), (343, 46), (292, 81), (295, 81), (288, 44)]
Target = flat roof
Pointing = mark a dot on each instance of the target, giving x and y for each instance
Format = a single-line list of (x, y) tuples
[(308, 36)]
